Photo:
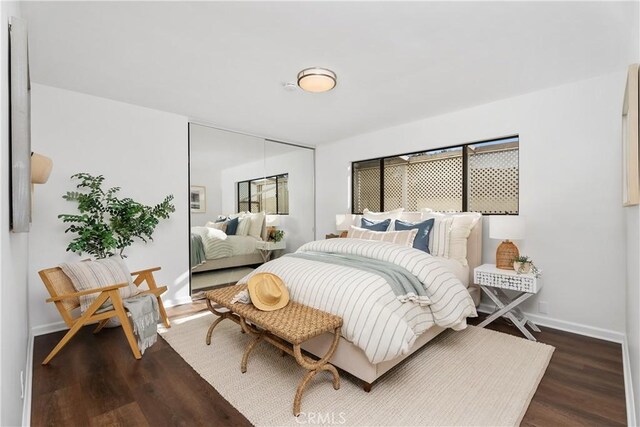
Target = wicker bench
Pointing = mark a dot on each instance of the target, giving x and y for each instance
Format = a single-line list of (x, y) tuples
[(286, 329)]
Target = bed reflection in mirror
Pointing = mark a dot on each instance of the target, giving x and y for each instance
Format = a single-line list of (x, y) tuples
[(259, 203)]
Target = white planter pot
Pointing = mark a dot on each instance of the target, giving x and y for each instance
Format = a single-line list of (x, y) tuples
[(522, 267)]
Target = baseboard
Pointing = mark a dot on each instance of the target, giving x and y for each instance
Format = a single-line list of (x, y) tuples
[(48, 328), (177, 301), (61, 326), (628, 385), (563, 325), (28, 381)]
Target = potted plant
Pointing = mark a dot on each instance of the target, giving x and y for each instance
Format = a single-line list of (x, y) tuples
[(276, 235), (106, 224), (523, 264)]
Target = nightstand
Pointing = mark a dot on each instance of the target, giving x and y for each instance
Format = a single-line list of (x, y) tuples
[(493, 281), (266, 248)]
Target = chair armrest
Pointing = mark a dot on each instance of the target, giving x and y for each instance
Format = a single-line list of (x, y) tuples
[(148, 270), (145, 276), (87, 292)]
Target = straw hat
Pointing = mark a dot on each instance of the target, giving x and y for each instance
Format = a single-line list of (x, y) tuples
[(268, 292)]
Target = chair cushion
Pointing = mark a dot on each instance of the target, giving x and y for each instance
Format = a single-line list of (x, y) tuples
[(99, 274)]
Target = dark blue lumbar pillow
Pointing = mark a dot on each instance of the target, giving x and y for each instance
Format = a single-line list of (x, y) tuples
[(232, 227), (375, 225), (422, 238)]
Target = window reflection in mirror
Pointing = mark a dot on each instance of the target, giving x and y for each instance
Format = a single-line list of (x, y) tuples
[(269, 195)]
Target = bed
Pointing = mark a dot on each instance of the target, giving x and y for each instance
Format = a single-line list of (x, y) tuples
[(225, 251), (398, 329)]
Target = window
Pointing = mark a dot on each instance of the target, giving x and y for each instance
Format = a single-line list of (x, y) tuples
[(270, 195), (479, 177)]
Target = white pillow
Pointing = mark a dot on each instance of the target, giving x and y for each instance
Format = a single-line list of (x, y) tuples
[(413, 217), (381, 216), (244, 224), (450, 232), (440, 235), (403, 238), (461, 228), (222, 226), (257, 221)]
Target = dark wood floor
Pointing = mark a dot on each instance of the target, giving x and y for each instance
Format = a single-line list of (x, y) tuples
[(96, 381)]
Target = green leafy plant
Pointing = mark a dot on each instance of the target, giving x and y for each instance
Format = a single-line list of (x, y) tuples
[(276, 235), (107, 224), (524, 260)]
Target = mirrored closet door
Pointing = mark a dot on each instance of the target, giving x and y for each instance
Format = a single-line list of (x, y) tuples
[(251, 200)]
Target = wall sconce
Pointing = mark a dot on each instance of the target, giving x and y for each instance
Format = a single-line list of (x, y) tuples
[(41, 167)]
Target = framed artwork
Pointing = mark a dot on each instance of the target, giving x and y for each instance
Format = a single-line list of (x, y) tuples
[(630, 152), (20, 116), (198, 199)]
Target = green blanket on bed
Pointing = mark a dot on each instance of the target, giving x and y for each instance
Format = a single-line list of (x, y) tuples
[(404, 284), (197, 251)]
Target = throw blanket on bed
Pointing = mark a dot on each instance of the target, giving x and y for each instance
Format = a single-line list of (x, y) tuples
[(373, 317), (144, 316), (215, 242), (404, 285), (197, 251)]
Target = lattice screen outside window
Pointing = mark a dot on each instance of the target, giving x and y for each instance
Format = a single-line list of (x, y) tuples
[(493, 178), (366, 186), (435, 179)]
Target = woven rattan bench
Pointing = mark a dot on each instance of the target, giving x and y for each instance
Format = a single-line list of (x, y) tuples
[(285, 328)]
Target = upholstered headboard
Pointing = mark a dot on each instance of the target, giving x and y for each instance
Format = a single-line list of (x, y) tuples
[(474, 254)]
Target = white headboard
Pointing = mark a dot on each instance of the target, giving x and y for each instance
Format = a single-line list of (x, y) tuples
[(474, 251)]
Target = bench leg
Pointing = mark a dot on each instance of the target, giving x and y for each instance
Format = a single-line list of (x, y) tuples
[(221, 316), (315, 366), (298, 398), (247, 351)]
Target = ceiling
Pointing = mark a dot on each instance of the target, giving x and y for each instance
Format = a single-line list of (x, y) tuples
[(224, 63)]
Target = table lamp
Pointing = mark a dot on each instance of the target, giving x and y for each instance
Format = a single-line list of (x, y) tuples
[(272, 222), (506, 228)]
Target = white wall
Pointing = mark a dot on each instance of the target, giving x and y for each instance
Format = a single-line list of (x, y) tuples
[(633, 300), (14, 322), (143, 151), (205, 173), (299, 224), (570, 187)]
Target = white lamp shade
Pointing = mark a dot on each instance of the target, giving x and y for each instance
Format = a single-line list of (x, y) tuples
[(507, 227), (344, 221), (273, 220)]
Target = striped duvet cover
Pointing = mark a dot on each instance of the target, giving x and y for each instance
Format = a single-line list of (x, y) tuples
[(373, 317), (215, 242)]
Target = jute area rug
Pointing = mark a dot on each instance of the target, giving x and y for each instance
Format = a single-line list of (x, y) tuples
[(468, 378)]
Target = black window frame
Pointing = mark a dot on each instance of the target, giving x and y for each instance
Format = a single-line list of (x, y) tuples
[(465, 172), (249, 202)]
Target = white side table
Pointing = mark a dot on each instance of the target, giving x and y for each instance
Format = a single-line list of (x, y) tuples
[(266, 248), (493, 280)]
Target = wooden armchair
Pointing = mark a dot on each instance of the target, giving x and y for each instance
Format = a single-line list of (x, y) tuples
[(66, 299)]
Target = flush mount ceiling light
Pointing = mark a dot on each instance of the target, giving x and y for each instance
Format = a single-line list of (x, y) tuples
[(316, 79)]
